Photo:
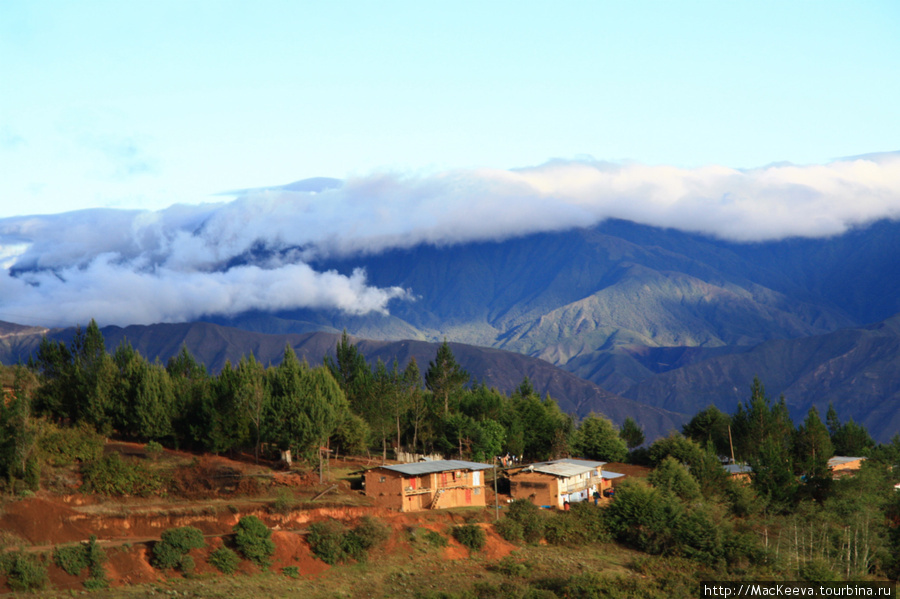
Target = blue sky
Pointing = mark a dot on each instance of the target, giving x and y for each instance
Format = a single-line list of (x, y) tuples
[(147, 104)]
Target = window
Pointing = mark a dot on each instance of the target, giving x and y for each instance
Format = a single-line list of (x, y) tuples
[(383, 479)]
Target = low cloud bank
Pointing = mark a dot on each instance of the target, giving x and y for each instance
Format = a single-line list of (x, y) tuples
[(138, 267)]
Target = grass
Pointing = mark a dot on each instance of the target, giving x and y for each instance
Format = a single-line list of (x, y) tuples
[(399, 574)]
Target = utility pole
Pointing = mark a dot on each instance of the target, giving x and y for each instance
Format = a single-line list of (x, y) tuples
[(496, 497)]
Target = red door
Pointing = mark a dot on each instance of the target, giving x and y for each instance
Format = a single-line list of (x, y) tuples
[(468, 496)]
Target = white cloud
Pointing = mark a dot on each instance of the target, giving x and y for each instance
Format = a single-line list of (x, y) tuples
[(128, 267)]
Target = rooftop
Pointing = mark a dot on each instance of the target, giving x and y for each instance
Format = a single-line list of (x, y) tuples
[(564, 468), (430, 467)]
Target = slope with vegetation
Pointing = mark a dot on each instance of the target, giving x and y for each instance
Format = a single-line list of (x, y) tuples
[(688, 522)]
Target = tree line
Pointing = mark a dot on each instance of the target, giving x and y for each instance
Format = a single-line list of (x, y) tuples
[(344, 404)]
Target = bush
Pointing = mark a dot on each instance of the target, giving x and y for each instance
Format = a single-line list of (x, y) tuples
[(332, 542), (253, 540), (470, 535), (75, 558), (283, 503), (63, 446), (371, 532), (154, 450), (172, 550), (24, 572), (111, 475), (224, 560), (530, 518), (327, 541), (72, 559), (435, 539), (184, 539), (291, 571)]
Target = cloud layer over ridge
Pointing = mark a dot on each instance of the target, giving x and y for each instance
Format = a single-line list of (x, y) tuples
[(138, 267)]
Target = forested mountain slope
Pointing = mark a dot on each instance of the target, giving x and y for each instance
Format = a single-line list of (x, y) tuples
[(213, 345)]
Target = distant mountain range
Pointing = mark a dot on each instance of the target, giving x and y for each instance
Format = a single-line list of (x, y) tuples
[(668, 319)]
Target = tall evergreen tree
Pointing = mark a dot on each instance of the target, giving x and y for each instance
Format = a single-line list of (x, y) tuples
[(631, 433), (445, 377)]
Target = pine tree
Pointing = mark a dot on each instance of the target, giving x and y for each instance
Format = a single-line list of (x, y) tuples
[(445, 377)]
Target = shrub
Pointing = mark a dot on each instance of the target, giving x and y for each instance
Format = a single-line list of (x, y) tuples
[(327, 541), (75, 558), (111, 475), (72, 559), (153, 449), (172, 550), (224, 560), (529, 518), (371, 532), (435, 539), (253, 540), (24, 572), (283, 503), (332, 542), (470, 535), (184, 539), (63, 446), (291, 571), (509, 529)]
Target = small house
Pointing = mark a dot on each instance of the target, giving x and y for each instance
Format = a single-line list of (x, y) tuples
[(739, 472), (427, 485), (844, 465), (552, 484)]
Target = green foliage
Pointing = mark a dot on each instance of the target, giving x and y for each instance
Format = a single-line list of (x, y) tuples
[(19, 434), (643, 517), (72, 559), (710, 426), (172, 550), (291, 571), (445, 378), (326, 539), (253, 540), (670, 476), (598, 439), (113, 475), (529, 517), (63, 446), (303, 408), (184, 538), (435, 539), (848, 439), (332, 542), (470, 536), (370, 532), (702, 463), (584, 523), (510, 530), (631, 433), (24, 572), (153, 449), (759, 423), (224, 560)]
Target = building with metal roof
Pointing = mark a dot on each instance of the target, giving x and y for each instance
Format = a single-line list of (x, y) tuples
[(427, 485), (555, 483)]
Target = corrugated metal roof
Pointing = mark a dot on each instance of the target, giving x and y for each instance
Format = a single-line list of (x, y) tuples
[(737, 469), (565, 468), (436, 466), (608, 474), (840, 459)]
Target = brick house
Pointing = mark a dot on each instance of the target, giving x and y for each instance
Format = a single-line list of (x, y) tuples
[(552, 484), (429, 485)]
